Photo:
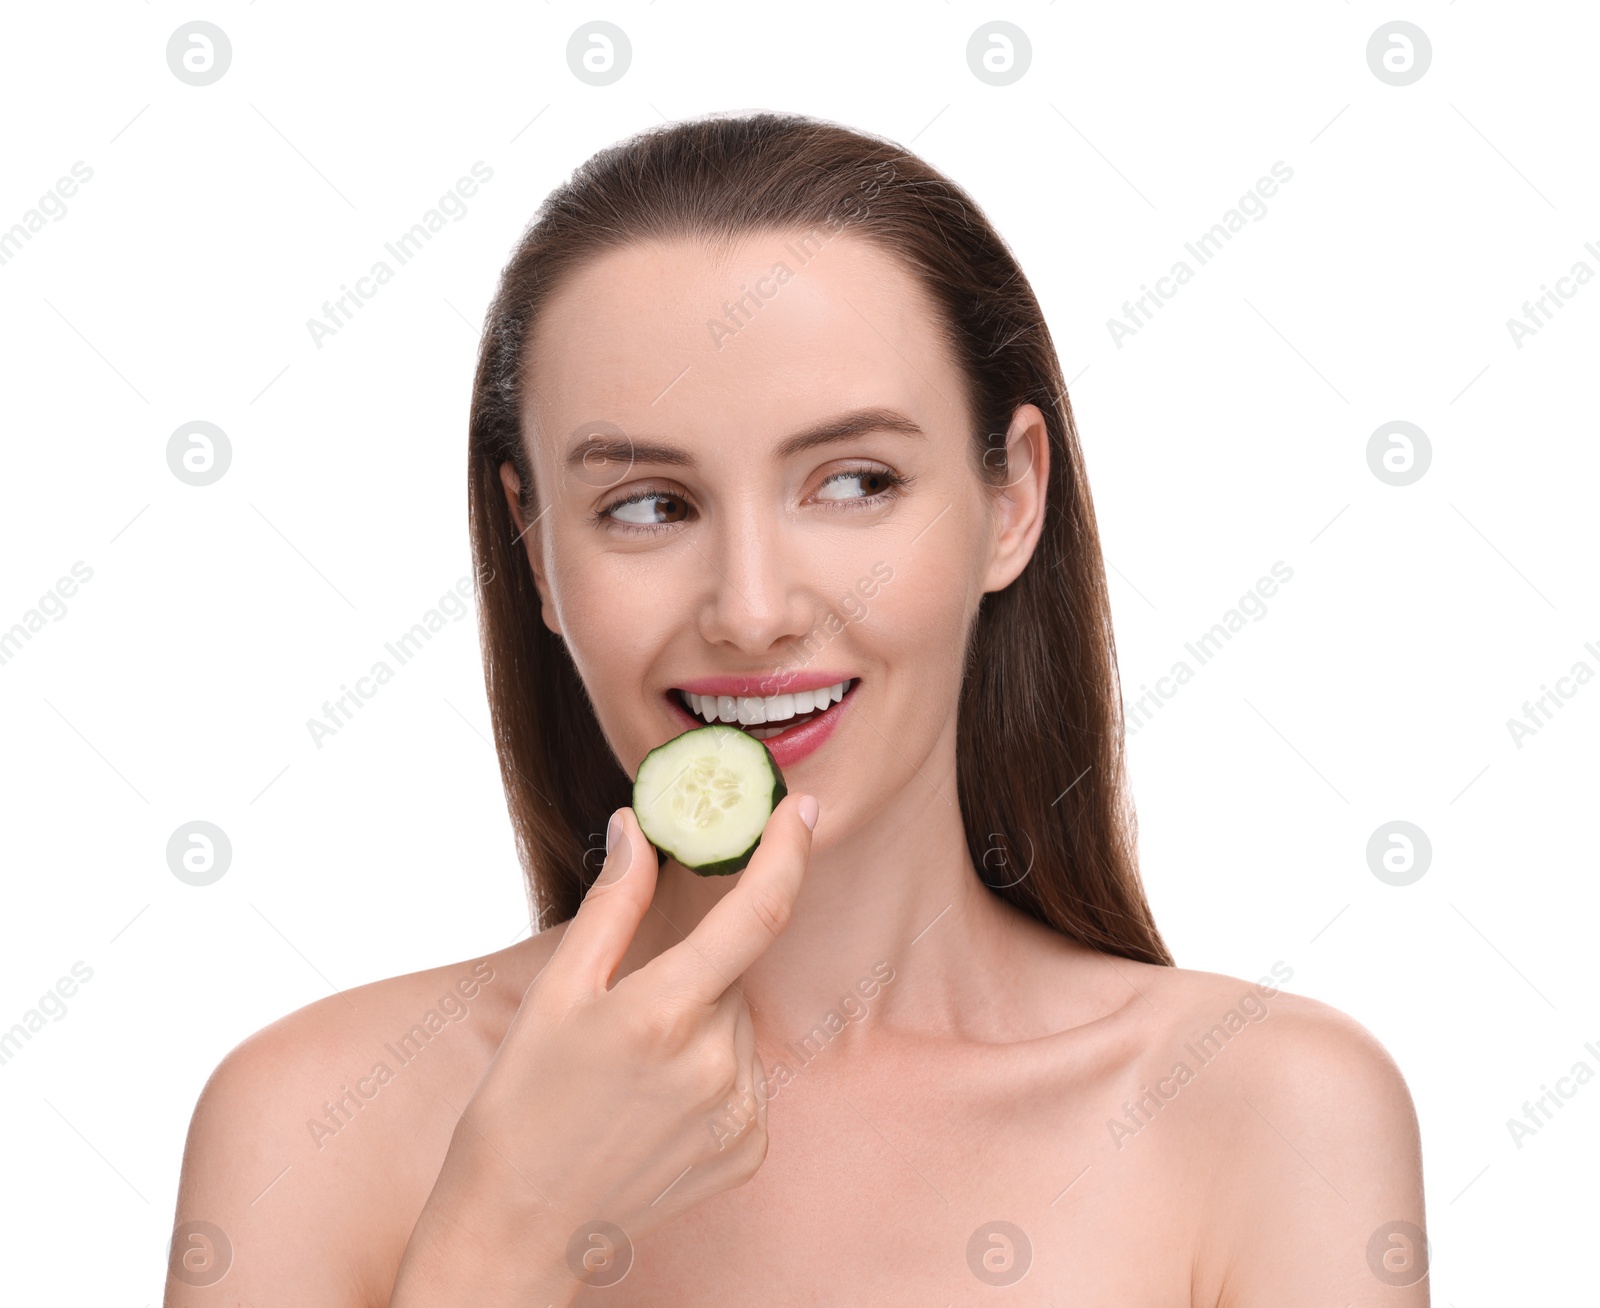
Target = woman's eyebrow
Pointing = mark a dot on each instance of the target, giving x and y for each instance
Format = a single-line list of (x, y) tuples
[(842, 427)]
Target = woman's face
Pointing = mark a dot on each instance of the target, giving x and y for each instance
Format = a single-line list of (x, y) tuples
[(755, 476)]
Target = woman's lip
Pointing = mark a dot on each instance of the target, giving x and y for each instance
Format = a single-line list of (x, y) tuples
[(788, 747)]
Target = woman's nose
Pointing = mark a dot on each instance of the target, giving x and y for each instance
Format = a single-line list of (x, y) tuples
[(758, 595)]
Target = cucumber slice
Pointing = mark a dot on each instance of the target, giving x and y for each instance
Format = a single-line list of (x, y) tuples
[(704, 797)]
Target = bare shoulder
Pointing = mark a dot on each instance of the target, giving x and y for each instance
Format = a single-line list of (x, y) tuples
[(316, 1140), (1304, 1130), (1309, 1058)]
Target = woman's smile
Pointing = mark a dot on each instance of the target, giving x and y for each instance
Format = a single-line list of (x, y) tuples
[(793, 724)]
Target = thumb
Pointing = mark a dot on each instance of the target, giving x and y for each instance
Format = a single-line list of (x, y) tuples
[(612, 909)]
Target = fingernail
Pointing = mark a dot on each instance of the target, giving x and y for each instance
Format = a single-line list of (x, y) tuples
[(613, 829), (808, 810)]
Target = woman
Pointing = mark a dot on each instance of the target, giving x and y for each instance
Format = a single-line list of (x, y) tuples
[(768, 426)]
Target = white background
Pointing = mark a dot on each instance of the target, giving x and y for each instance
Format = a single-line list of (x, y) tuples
[(1228, 434)]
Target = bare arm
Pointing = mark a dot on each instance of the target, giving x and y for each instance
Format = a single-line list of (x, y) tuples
[(1319, 1181), (257, 1221)]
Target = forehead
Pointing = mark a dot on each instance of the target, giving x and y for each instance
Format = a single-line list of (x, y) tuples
[(749, 340)]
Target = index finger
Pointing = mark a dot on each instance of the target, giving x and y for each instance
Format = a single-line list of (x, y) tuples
[(744, 922)]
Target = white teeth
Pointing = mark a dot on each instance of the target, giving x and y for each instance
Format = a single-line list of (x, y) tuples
[(753, 711)]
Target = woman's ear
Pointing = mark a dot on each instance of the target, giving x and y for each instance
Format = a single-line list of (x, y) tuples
[(1020, 503), (513, 488)]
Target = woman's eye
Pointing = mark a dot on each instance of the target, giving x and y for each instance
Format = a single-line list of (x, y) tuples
[(871, 483), (647, 510)]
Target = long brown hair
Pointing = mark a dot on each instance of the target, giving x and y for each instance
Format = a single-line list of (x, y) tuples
[(1050, 826)]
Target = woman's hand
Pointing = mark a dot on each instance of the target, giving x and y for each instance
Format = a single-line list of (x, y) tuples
[(608, 1112)]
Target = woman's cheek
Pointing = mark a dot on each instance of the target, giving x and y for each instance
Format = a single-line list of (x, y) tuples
[(929, 598), (606, 612)]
